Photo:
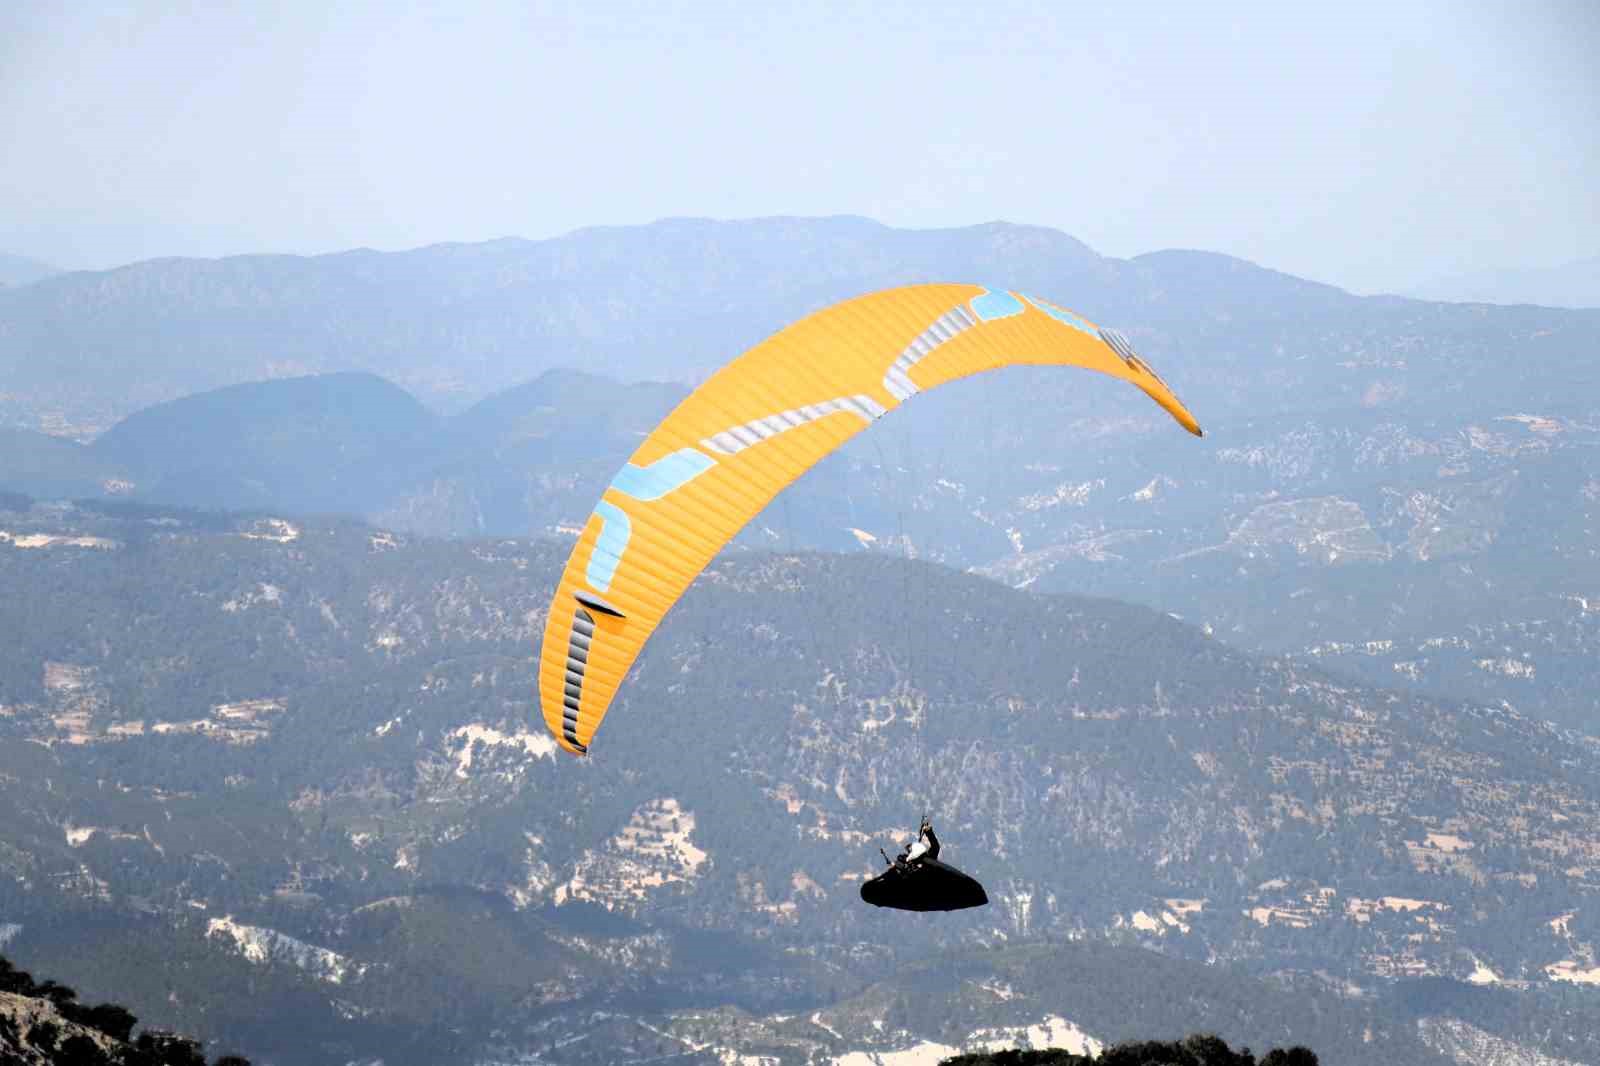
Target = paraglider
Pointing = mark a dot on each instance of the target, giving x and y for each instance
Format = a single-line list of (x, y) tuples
[(915, 880), (754, 427)]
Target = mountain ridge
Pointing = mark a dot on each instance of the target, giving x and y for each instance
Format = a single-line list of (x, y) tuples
[(1575, 284), (320, 732), (1482, 513), (454, 322), (20, 270)]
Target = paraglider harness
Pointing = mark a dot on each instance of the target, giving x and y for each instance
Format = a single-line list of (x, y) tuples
[(915, 879)]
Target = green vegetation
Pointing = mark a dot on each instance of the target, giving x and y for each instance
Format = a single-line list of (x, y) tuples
[(315, 741), (113, 1023), (1198, 1050)]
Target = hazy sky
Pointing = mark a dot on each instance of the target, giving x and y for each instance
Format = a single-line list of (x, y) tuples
[(1373, 145)]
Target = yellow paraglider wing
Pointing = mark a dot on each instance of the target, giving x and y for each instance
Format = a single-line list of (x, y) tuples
[(757, 425)]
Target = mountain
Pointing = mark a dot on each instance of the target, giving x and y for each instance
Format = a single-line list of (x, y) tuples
[(1575, 284), (327, 443), (668, 301), (266, 768), (19, 270), (42, 1022), (53, 467), (521, 460), (1449, 553)]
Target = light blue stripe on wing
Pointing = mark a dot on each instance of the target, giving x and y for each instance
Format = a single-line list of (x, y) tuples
[(615, 529), (993, 305), (666, 474), (1064, 316)]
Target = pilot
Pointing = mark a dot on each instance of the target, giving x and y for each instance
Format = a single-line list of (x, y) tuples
[(924, 844)]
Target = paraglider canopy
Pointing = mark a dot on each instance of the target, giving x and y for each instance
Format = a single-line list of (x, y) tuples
[(754, 427)]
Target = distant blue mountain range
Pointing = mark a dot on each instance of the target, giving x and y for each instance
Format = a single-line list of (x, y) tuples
[(19, 270), (454, 323), (1575, 284)]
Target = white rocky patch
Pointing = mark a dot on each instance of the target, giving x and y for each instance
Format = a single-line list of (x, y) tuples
[(54, 540), (1067, 493), (653, 850), (84, 883), (1364, 910), (1325, 527), (535, 745), (1482, 975), (273, 529), (1471, 1046), (262, 593), (325, 609), (1300, 913), (66, 678), (1022, 570), (540, 875), (1509, 667), (1053, 1031), (1442, 852), (1586, 604), (998, 989), (787, 910), (1543, 425), (1154, 487), (77, 836), (1019, 908), (75, 725), (268, 945), (1169, 918), (239, 722), (221, 731), (250, 711), (1185, 907), (1342, 647), (399, 903), (926, 1053), (1573, 972), (7, 931)]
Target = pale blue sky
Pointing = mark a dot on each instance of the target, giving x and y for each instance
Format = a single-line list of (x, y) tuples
[(1372, 145)]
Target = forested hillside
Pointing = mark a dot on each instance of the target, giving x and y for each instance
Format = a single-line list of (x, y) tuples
[(266, 767)]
